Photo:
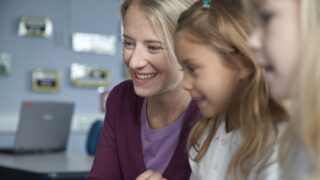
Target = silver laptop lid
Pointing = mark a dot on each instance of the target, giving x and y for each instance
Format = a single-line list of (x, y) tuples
[(43, 126)]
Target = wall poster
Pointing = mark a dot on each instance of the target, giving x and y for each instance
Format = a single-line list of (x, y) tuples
[(5, 63), (46, 80), (87, 76), (35, 26)]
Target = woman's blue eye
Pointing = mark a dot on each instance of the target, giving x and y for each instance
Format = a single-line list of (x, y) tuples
[(127, 44), (154, 48)]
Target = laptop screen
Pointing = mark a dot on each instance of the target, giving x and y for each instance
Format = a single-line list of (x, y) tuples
[(43, 126)]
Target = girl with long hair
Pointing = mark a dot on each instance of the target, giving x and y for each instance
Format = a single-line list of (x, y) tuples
[(236, 138)]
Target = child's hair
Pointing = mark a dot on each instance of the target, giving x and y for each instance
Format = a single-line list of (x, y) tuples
[(165, 13), (224, 27)]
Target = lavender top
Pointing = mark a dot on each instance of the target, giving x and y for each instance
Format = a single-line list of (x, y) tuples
[(158, 145)]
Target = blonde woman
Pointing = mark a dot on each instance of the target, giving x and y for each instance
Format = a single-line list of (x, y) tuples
[(286, 38), (149, 117)]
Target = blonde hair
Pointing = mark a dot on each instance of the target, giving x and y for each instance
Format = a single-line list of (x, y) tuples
[(225, 28), (305, 120), (164, 12), (304, 125)]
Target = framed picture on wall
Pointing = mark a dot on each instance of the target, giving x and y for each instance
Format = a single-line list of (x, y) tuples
[(35, 26), (87, 76), (45, 80), (94, 43)]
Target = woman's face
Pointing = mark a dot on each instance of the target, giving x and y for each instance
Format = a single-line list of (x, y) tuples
[(146, 55), (276, 41)]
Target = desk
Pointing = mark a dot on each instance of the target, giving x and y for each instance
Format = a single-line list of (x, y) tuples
[(62, 166)]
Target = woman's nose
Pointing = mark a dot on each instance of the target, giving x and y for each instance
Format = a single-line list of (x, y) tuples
[(138, 58)]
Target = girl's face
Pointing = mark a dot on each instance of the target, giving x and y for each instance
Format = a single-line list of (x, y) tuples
[(146, 55), (210, 80), (276, 40)]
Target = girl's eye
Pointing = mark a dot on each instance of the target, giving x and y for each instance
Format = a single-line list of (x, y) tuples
[(265, 18), (191, 69)]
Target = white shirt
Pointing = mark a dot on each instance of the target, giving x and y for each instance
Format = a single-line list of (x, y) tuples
[(297, 165), (214, 164)]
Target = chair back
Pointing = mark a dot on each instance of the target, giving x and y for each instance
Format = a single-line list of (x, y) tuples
[(93, 137)]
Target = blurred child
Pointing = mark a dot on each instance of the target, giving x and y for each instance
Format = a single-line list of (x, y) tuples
[(286, 38), (237, 138)]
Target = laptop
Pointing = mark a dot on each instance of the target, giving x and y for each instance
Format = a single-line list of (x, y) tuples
[(43, 127)]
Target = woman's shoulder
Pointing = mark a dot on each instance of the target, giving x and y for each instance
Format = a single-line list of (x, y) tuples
[(123, 105), (124, 91), (124, 86)]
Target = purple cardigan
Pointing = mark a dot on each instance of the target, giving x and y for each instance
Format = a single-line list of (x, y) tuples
[(119, 153)]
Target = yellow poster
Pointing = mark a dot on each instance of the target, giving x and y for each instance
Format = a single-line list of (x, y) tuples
[(44, 80)]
